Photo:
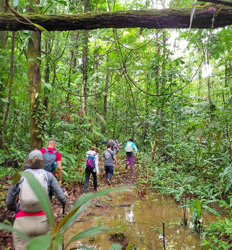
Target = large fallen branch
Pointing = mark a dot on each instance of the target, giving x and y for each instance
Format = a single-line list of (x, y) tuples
[(158, 19)]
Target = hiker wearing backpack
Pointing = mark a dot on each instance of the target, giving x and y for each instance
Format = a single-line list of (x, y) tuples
[(91, 167), (109, 159), (29, 218), (130, 148), (52, 159)]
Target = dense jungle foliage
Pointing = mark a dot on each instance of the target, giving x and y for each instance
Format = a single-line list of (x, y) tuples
[(168, 89)]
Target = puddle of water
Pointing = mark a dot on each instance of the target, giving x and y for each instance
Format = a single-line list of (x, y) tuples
[(140, 220)]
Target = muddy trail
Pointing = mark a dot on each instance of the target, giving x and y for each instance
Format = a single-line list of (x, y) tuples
[(141, 217), (122, 177)]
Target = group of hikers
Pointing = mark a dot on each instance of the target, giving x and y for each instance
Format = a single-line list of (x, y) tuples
[(30, 219), (109, 159), (45, 165)]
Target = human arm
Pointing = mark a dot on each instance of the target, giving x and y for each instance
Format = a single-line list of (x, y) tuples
[(55, 189), (115, 160), (96, 164), (101, 161), (135, 149), (11, 197), (59, 169)]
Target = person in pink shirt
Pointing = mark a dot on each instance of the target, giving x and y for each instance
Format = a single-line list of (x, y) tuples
[(51, 147)]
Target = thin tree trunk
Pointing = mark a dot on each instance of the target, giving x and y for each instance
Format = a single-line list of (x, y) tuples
[(84, 64), (226, 82), (11, 82), (163, 85), (34, 78), (84, 72), (105, 97), (199, 81), (47, 73), (96, 103), (3, 43), (70, 71)]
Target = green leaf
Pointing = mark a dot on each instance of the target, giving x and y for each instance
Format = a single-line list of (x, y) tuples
[(48, 86), (4, 100), (198, 207), (129, 245), (88, 232), (11, 229), (40, 242), (40, 27), (82, 248), (16, 178), (41, 195), (116, 247), (70, 218)]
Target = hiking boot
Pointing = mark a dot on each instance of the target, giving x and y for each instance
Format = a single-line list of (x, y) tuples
[(131, 170), (108, 181)]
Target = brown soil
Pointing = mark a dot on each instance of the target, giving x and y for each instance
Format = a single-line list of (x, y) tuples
[(121, 177)]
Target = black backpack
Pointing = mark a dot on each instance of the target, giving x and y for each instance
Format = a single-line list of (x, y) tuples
[(49, 159)]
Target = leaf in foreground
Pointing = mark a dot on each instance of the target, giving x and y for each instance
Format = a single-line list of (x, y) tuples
[(40, 242), (11, 229), (89, 232)]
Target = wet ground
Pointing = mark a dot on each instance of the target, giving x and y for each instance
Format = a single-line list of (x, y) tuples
[(148, 220)]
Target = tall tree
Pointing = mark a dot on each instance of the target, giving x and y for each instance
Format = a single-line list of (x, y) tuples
[(105, 97), (34, 79), (3, 42), (84, 64)]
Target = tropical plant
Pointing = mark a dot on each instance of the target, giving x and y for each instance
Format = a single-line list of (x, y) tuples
[(218, 235), (54, 240)]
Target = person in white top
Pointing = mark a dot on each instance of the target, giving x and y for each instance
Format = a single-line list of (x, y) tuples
[(91, 167)]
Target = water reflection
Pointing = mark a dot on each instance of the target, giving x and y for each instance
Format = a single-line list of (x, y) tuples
[(129, 216), (140, 220)]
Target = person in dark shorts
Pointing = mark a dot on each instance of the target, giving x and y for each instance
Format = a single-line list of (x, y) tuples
[(110, 160)]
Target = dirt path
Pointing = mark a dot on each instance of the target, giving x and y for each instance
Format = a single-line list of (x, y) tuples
[(122, 177)]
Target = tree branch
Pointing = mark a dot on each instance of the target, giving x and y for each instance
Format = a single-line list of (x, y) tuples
[(21, 17), (151, 19), (228, 3)]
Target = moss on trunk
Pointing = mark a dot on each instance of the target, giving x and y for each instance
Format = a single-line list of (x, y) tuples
[(158, 19)]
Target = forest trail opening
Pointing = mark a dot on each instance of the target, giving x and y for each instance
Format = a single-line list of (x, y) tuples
[(138, 216)]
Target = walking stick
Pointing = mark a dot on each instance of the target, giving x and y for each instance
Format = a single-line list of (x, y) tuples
[(63, 213)]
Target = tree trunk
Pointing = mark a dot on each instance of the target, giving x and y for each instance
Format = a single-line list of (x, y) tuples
[(151, 19), (34, 78), (84, 64), (11, 83), (105, 97), (47, 72), (199, 81), (70, 71), (226, 83), (3, 42)]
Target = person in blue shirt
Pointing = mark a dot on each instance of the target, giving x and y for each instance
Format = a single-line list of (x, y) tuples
[(131, 151)]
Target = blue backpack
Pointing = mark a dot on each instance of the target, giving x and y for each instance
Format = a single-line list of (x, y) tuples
[(49, 160), (90, 162)]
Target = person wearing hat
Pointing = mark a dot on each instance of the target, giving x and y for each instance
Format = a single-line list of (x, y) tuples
[(31, 223), (91, 167)]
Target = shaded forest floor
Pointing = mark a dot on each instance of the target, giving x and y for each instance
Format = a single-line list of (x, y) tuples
[(121, 177)]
